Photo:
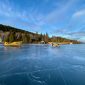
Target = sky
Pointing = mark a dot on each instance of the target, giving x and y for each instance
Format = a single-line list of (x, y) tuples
[(64, 18)]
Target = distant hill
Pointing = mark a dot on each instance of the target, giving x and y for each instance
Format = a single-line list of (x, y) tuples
[(64, 40), (10, 34), (6, 28)]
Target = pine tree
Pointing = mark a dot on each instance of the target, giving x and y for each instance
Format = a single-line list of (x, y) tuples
[(46, 38), (11, 37)]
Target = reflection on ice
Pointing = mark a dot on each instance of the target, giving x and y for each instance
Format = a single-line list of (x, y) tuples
[(80, 58), (42, 65)]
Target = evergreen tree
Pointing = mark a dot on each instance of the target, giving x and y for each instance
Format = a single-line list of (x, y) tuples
[(46, 38), (11, 37)]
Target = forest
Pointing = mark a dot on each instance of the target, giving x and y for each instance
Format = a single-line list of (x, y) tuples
[(11, 34)]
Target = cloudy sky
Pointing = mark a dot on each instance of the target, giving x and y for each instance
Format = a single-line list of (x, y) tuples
[(57, 17)]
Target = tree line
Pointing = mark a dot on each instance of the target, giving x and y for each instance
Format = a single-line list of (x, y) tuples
[(11, 34), (60, 40)]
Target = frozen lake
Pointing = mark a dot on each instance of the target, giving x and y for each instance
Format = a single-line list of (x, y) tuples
[(42, 65)]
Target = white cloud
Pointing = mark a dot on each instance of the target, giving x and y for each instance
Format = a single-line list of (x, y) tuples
[(34, 19), (79, 13), (79, 33), (77, 21), (59, 13), (53, 16), (11, 14), (5, 9)]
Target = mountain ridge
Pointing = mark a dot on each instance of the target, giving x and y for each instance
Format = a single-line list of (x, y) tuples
[(10, 34)]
